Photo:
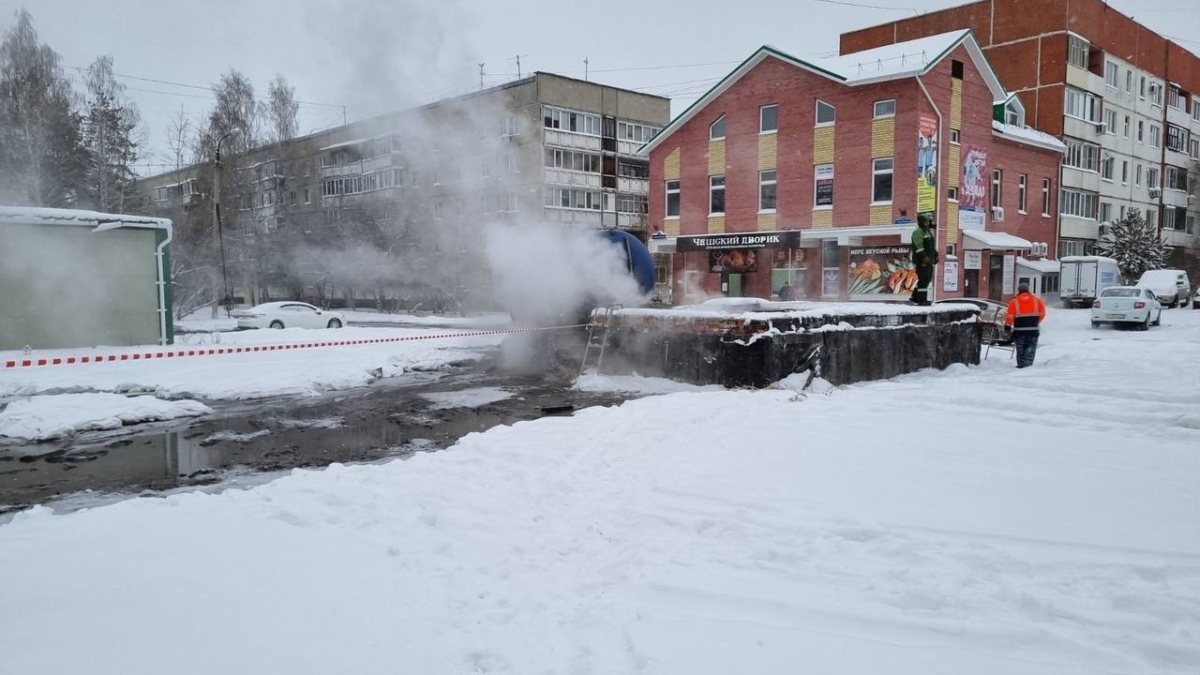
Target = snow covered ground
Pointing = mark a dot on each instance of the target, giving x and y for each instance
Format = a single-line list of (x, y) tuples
[(41, 418), (253, 375), (201, 320), (978, 520)]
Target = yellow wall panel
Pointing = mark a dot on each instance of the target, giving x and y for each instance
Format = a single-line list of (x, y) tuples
[(822, 219), (881, 215), (768, 145), (766, 222), (716, 158), (671, 227), (952, 222), (953, 172), (883, 137), (955, 104), (671, 165), (823, 145), (716, 224)]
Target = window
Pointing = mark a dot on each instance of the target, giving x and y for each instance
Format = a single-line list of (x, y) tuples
[(1125, 172), (1078, 203), (1110, 122), (716, 194), (826, 114), (1022, 181), (633, 169), (766, 190), (1046, 197), (1175, 219), (1141, 137), (1155, 136), (1126, 126), (1152, 218), (1176, 99), (1128, 81), (881, 170), (1177, 179), (511, 202), (437, 211), (830, 267), (1152, 177), (573, 161), (954, 136), (1156, 94), (632, 204), (1194, 148), (952, 194), (885, 108), (823, 185), (567, 120), (566, 198), (1082, 155), (716, 130), (1191, 224), (1107, 167), (1077, 52), (1111, 74), (637, 133), (956, 70), (1082, 105), (1137, 175), (508, 127), (1106, 212), (1195, 111), (512, 163), (307, 196), (997, 187), (1142, 88), (1177, 138), (768, 119), (672, 199)]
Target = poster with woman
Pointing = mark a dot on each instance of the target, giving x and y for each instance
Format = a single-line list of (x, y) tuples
[(927, 160)]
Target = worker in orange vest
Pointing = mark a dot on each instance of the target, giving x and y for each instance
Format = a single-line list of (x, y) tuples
[(1026, 312)]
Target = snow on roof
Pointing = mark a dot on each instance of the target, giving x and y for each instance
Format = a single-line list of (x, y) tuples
[(1086, 258), (1028, 135), (903, 59), (47, 216), (345, 144), (994, 240), (1040, 265), (890, 62)]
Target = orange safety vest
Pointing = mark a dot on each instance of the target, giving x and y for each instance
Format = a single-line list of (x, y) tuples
[(1025, 312)]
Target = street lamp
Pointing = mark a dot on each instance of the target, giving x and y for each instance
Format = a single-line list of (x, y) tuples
[(228, 299)]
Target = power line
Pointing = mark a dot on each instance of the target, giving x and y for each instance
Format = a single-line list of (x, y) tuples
[(193, 86), (862, 6)]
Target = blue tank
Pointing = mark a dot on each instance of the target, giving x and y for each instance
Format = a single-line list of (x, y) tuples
[(637, 257)]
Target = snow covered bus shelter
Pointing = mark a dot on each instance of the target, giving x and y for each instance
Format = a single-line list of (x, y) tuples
[(73, 278)]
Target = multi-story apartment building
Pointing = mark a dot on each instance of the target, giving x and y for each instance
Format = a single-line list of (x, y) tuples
[(1117, 93), (811, 174), (545, 147)]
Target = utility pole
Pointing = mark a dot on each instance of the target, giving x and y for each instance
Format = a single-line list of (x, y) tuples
[(217, 230), (585, 69), (344, 122), (517, 58), (481, 76)]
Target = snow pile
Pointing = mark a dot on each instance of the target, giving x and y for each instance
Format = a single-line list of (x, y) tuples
[(467, 398), (314, 423), (637, 384), (1040, 522), (42, 418), (228, 436), (752, 309)]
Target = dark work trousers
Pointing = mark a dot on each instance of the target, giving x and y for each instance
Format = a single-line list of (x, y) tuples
[(924, 278), (1026, 343)]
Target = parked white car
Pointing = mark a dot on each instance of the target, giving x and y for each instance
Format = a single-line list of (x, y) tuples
[(287, 315), (1127, 305), (1196, 299), (1171, 286)]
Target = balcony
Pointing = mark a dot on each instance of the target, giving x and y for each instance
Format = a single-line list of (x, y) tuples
[(351, 169), (577, 179), (1179, 117), (567, 139), (1083, 79), (628, 147), (378, 163), (633, 186)]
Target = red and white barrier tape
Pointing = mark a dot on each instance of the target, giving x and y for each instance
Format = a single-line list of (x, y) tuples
[(213, 351)]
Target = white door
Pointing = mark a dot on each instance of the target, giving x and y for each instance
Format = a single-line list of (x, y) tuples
[(311, 316), (1087, 279)]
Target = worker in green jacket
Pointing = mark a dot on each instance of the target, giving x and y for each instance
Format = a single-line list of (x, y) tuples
[(924, 257)]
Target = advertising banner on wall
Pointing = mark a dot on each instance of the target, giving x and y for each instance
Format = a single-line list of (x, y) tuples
[(881, 273), (1010, 268), (733, 261), (972, 190), (974, 260), (950, 277), (927, 158), (824, 185)]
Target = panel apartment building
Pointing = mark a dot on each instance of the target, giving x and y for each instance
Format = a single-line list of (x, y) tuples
[(545, 147), (1122, 97)]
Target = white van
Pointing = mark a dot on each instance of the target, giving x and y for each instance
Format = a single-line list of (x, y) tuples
[(1084, 277), (1171, 286)]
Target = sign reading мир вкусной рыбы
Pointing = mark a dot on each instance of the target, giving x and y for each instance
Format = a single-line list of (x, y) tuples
[(710, 242)]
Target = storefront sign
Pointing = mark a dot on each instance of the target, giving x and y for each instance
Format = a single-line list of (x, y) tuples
[(973, 261), (724, 242), (734, 261), (1010, 264), (787, 258), (950, 277), (927, 159), (824, 185), (972, 191), (881, 272)]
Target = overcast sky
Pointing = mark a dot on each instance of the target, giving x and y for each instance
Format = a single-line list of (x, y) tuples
[(375, 55)]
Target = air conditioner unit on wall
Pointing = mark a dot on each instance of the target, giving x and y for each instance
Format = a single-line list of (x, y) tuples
[(998, 214), (1155, 193), (1103, 230)]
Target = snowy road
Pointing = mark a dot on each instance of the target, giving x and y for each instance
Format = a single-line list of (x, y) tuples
[(980, 520)]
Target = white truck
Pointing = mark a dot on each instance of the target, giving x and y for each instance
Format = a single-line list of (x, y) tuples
[(1083, 277)]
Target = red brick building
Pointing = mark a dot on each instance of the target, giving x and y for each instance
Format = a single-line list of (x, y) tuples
[(1122, 97), (811, 174)]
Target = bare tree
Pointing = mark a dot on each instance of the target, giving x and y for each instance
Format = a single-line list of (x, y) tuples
[(179, 140), (110, 134), (281, 109)]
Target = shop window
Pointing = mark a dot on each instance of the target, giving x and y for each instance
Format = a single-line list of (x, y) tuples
[(830, 268)]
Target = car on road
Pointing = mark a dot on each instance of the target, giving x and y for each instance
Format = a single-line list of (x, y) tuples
[(1129, 305), (1196, 299), (287, 315), (1171, 286)]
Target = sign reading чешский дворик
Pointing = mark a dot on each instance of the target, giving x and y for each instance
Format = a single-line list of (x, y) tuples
[(714, 242)]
